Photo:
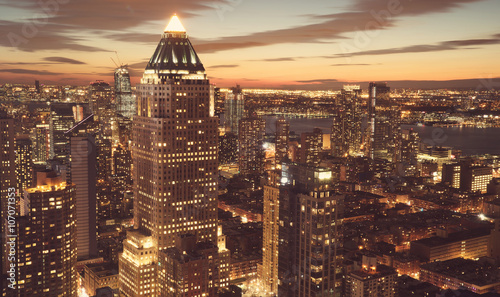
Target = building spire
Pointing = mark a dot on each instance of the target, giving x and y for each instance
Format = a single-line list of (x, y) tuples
[(175, 25)]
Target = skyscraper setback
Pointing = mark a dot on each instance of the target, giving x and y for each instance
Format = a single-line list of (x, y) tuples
[(175, 154)]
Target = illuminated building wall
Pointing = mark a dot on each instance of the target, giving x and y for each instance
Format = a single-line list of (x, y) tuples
[(125, 101), (282, 137), (468, 244), (7, 175), (268, 272), (451, 175), (47, 256), (234, 107), (371, 281), (476, 178), (42, 143), (137, 265), (384, 123), (310, 233), (346, 137), (311, 144), (24, 163), (175, 166), (61, 120), (251, 151)]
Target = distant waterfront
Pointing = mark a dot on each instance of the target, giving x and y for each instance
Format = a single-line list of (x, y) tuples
[(472, 141)]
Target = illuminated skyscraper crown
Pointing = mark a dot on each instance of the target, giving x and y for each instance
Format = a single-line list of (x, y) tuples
[(174, 56)]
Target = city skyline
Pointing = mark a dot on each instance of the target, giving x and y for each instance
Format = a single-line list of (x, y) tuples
[(259, 44)]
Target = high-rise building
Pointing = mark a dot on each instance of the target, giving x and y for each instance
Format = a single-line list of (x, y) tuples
[(451, 175), (384, 124), (184, 270), (475, 178), (310, 233), (46, 255), (228, 148), (82, 172), (409, 149), (268, 271), (251, 150), (234, 107), (7, 179), (61, 120), (125, 101), (311, 143), (24, 163), (100, 99), (41, 143), (281, 143), (346, 137), (175, 153), (137, 265)]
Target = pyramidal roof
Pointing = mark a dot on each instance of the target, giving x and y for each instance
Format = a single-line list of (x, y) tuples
[(175, 53), (175, 25)]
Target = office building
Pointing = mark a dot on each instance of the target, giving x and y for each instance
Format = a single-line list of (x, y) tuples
[(251, 150), (281, 143), (384, 124), (478, 277), (24, 163), (234, 107), (46, 255), (124, 100), (468, 244), (346, 137), (41, 143), (175, 158), (268, 271), (311, 144), (61, 120), (409, 149), (451, 175), (137, 265), (310, 233), (7, 177), (475, 178), (184, 270), (82, 172)]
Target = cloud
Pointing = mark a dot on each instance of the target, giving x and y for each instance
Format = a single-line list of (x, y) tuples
[(63, 60), (224, 66), (284, 59), (424, 48), (28, 71), (352, 64), (47, 37), (317, 81), (362, 15)]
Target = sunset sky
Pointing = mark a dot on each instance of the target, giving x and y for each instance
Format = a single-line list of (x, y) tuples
[(255, 43)]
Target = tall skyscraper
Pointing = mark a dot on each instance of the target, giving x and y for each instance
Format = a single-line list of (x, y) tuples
[(125, 101), (7, 177), (41, 143), (250, 139), (82, 172), (281, 143), (346, 137), (384, 124), (234, 107), (24, 163), (311, 144), (310, 233), (61, 120), (268, 271), (46, 255), (175, 150)]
